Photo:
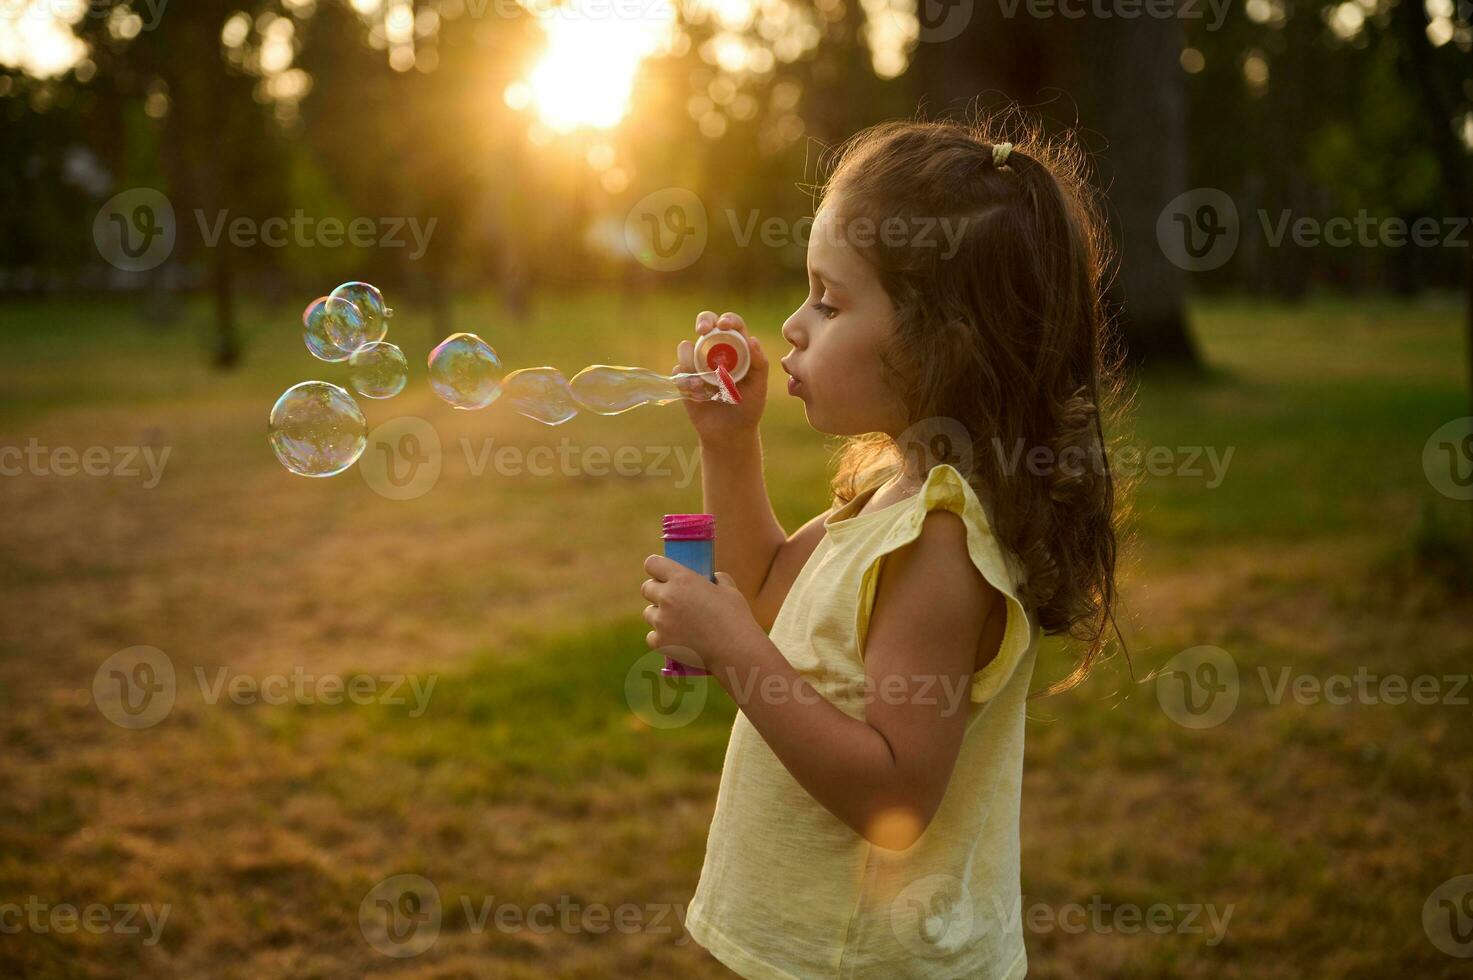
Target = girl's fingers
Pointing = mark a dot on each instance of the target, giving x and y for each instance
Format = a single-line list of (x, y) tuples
[(685, 356), (759, 356), (730, 321), (705, 322)]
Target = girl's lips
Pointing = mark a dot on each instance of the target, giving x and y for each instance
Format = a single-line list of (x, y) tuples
[(793, 385)]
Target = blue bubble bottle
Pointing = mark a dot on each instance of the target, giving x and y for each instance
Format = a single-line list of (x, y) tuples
[(690, 539)]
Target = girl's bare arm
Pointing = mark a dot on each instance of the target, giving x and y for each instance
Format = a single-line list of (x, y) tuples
[(752, 546)]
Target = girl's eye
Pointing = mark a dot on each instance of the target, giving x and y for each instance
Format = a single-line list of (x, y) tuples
[(828, 311)]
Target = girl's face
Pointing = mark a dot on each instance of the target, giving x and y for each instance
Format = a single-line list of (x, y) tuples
[(836, 336)]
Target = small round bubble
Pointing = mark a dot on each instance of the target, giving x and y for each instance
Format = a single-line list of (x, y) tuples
[(465, 371), (370, 303), (378, 370), (326, 319), (317, 429)]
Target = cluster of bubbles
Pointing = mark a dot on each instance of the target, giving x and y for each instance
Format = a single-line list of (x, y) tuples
[(316, 427), (466, 373)]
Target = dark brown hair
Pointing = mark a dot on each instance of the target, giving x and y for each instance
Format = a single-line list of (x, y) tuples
[(1004, 337)]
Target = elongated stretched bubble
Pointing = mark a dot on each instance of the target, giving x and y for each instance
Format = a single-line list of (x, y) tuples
[(540, 393), (609, 389)]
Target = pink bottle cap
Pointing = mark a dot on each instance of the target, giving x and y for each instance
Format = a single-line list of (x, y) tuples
[(689, 527)]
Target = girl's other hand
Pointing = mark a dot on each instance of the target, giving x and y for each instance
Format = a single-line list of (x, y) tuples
[(718, 422)]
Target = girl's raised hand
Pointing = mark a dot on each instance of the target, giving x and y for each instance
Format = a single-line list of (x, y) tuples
[(718, 422)]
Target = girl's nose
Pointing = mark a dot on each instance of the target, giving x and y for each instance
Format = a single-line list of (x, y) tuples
[(791, 332)]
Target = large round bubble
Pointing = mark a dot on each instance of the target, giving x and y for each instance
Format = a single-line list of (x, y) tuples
[(465, 371), (326, 319), (317, 429), (370, 303), (378, 370)]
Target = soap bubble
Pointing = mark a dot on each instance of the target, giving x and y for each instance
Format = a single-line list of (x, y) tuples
[(327, 318), (465, 371), (609, 389), (317, 430), (540, 393), (379, 370), (370, 303)]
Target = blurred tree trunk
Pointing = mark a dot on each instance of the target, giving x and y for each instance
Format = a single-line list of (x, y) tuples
[(1126, 78), (226, 348), (207, 144), (1419, 60), (1140, 105)]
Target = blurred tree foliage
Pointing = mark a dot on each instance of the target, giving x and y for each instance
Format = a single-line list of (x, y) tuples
[(263, 108)]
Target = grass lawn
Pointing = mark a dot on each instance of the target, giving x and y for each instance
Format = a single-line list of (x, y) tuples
[(1316, 830)]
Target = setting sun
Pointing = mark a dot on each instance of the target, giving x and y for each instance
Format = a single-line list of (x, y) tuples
[(586, 74)]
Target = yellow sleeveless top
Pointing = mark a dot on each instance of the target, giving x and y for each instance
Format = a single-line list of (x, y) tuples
[(787, 890)]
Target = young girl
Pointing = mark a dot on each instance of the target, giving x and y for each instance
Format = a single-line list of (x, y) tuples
[(867, 819)]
